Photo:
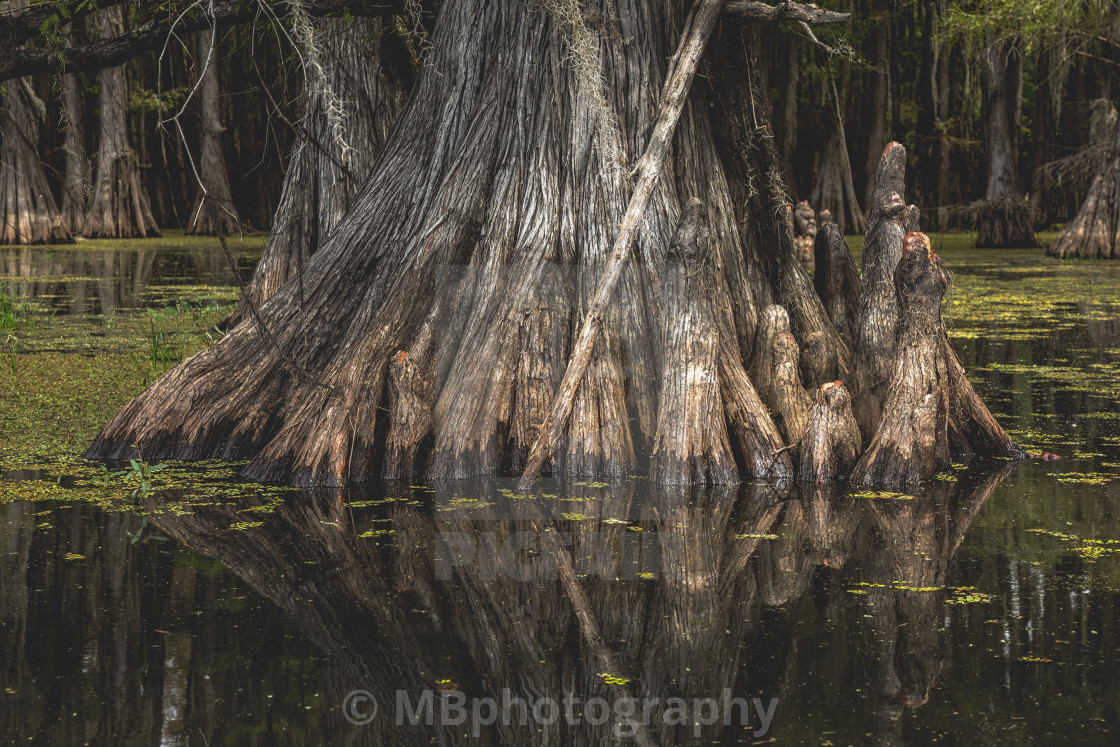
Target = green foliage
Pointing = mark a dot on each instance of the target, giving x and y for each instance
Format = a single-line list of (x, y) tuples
[(141, 99), (10, 351), (53, 27), (138, 471), (1036, 22), (13, 315)]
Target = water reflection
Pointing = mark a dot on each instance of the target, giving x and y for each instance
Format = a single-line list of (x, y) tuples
[(541, 597), (104, 281)]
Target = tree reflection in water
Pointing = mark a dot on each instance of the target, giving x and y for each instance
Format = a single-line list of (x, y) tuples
[(527, 595)]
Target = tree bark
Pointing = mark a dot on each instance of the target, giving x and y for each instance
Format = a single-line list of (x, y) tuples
[(1095, 230), (832, 439), (836, 280), (29, 212), (211, 164), (876, 323), (875, 108), (328, 163), (119, 207), (805, 234), (691, 445), (834, 191), (775, 371), (76, 178), (498, 183), (1004, 215), (912, 439), (431, 331)]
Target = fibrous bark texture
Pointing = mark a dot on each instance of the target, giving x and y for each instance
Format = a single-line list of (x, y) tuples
[(912, 439), (496, 180), (211, 165), (350, 102), (836, 279), (1004, 215), (832, 439), (877, 320), (775, 369), (75, 181), (431, 331), (1095, 230), (119, 206), (833, 190), (691, 445), (805, 234), (28, 211)]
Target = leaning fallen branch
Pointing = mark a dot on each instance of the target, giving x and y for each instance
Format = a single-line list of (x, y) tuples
[(800, 12), (681, 70)]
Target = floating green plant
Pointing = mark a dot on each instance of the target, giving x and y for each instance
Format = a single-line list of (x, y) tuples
[(242, 525), (576, 516), (882, 495), (968, 595)]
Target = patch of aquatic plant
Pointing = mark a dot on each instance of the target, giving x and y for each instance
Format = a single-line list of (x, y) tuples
[(144, 533), (12, 314), (899, 586), (882, 495), (465, 504), (249, 243), (9, 349), (138, 471), (1086, 548), (967, 595)]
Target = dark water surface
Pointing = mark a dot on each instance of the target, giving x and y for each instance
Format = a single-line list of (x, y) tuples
[(984, 609)]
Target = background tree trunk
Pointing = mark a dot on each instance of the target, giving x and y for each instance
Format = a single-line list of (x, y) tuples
[(211, 159), (29, 212), (876, 102), (328, 165), (75, 181), (119, 207), (1095, 230), (1004, 218)]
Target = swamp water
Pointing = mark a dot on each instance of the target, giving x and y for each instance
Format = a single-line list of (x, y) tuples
[(984, 609)]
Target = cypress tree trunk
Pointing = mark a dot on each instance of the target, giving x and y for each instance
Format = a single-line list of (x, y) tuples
[(431, 330), (119, 207), (75, 181), (329, 163), (211, 160), (489, 185), (874, 119), (28, 212), (1095, 230), (1004, 218)]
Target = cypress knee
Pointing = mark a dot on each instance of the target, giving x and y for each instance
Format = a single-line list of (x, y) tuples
[(912, 440), (832, 441), (837, 279), (691, 444), (876, 322)]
